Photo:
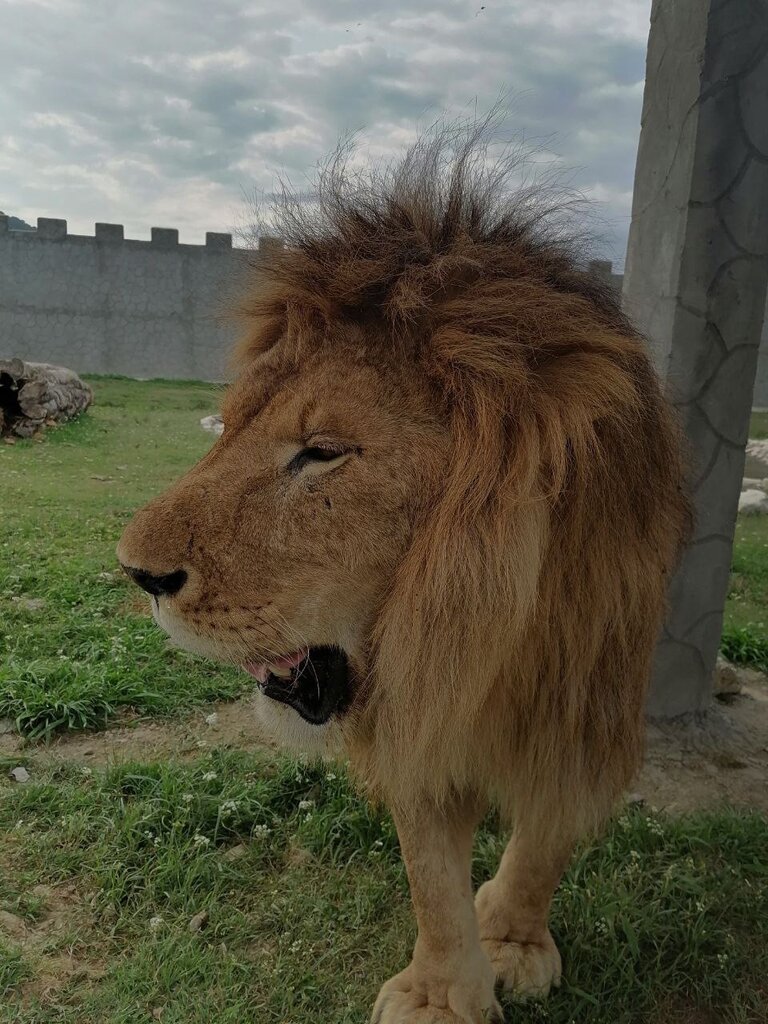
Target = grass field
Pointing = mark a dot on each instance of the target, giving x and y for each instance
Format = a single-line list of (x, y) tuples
[(102, 869), (663, 921), (76, 644)]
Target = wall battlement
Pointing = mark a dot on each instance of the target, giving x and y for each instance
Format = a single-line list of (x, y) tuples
[(104, 303), (53, 229)]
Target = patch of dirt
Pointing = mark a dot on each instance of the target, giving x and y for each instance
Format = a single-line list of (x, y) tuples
[(713, 760), (54, 975), (148, 739), (716, 759), (46, 943)]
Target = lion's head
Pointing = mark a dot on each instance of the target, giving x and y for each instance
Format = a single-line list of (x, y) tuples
[(277, 550), (442, 430)]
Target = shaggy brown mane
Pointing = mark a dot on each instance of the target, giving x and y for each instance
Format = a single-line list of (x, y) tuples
[(437, 529), (394, 243), (521, 624)]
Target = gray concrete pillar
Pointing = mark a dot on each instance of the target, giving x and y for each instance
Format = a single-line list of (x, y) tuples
[(760, 396), (695, 282)]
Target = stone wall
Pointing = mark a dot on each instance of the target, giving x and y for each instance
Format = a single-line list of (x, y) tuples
[(106, 304)]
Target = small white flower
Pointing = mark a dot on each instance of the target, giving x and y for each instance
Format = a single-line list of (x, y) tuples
[(305, 805), (228, 807), (155, 923), (330, 776), (188, 798), (261, 831), (199, 840), (209, 776), (86, 771)]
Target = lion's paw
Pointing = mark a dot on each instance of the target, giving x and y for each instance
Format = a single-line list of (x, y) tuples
[(404, 1001), (527, 970)]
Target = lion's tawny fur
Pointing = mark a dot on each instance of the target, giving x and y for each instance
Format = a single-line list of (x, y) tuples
[(512, 653), (489, 544)]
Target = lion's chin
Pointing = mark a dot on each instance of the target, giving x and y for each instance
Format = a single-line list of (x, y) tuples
[(286, 729)]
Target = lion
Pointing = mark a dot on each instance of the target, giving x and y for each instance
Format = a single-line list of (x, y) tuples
[(437, 530)]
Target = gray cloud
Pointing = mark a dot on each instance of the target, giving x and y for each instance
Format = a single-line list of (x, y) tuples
[(166, 112)]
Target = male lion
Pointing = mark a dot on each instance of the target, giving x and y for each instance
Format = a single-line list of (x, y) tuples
[(437, 530)]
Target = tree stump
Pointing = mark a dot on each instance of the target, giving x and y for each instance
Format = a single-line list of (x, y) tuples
[(37, 395)]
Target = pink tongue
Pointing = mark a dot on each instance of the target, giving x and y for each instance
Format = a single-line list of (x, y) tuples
[(260, 670), (291, 660)]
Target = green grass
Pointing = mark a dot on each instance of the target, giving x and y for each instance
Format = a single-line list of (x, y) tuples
[(660, 920), (13, 969), (745, 636), (758, 425), (91, 649)]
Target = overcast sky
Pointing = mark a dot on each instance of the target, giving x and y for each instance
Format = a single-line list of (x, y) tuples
[(164, 112)]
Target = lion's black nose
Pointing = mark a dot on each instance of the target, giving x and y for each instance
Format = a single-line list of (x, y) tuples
[(158, 586)]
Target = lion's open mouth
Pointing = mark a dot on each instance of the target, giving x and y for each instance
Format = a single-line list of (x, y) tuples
[(314, 682)]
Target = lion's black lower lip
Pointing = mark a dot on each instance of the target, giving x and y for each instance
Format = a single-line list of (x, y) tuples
[(317, 689)]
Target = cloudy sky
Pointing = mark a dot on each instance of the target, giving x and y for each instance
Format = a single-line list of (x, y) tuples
[(165, 112)]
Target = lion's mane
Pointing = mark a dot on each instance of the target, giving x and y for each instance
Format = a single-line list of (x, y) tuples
[(513, 652)]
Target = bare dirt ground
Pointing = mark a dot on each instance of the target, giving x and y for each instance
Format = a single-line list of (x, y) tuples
[(718, 759), (150, 739), (63, 921)]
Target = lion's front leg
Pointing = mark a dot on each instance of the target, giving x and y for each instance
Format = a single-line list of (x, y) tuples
[(449, 979), (513, 910)]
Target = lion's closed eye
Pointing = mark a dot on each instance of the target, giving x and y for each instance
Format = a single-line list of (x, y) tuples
[(316, 459)]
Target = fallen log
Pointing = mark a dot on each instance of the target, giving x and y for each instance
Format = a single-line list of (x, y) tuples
[(37, 395)]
